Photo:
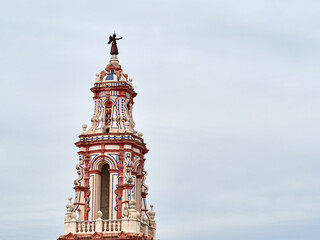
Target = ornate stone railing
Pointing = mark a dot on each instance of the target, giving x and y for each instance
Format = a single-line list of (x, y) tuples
[(112, 84), (110, 137), (85, 227), (111, 226), (99, 225)]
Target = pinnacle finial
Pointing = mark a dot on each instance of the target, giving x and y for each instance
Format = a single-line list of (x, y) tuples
[(99, 215), (151, 212), (84, 128)]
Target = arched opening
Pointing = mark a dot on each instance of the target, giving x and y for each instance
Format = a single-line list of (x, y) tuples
[(138, 187), (105, 191)]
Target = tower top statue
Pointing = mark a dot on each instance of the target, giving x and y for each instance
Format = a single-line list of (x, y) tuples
[(114, 49)]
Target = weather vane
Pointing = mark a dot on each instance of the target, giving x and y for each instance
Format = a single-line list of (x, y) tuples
[(114, 49)]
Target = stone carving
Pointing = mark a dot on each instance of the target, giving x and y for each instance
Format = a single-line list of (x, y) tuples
[(79, 171), (125, 213), (102, 75), (133, 213), (152, 214), (128, 168), (123, 78), (84, 128), (99, 215), (97, 77), (145, 188), (70, 215)]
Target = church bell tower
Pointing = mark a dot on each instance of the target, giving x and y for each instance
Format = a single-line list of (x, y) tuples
[(110, 190)]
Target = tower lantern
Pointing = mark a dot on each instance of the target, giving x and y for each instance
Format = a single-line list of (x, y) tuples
[(110, 190)]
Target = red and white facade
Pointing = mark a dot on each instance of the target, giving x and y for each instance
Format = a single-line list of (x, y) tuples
[(110, 190)]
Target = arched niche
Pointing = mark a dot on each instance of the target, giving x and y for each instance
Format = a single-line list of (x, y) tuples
[(138, 169), (105, 191)]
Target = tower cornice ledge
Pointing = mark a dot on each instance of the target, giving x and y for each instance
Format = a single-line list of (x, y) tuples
[(113, 86)]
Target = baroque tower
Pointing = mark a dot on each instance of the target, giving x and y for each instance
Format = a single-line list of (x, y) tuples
[(110, 190)]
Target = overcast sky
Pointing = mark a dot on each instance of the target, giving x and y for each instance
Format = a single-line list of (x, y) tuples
[(228, 101)]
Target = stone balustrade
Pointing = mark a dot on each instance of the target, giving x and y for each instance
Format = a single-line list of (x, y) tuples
[(131, 222), (111, 226), (108, 226), (85, 227), (104, 226), (110, 137)]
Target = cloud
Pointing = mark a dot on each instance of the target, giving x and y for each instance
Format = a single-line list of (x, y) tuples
[(227, 101)]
